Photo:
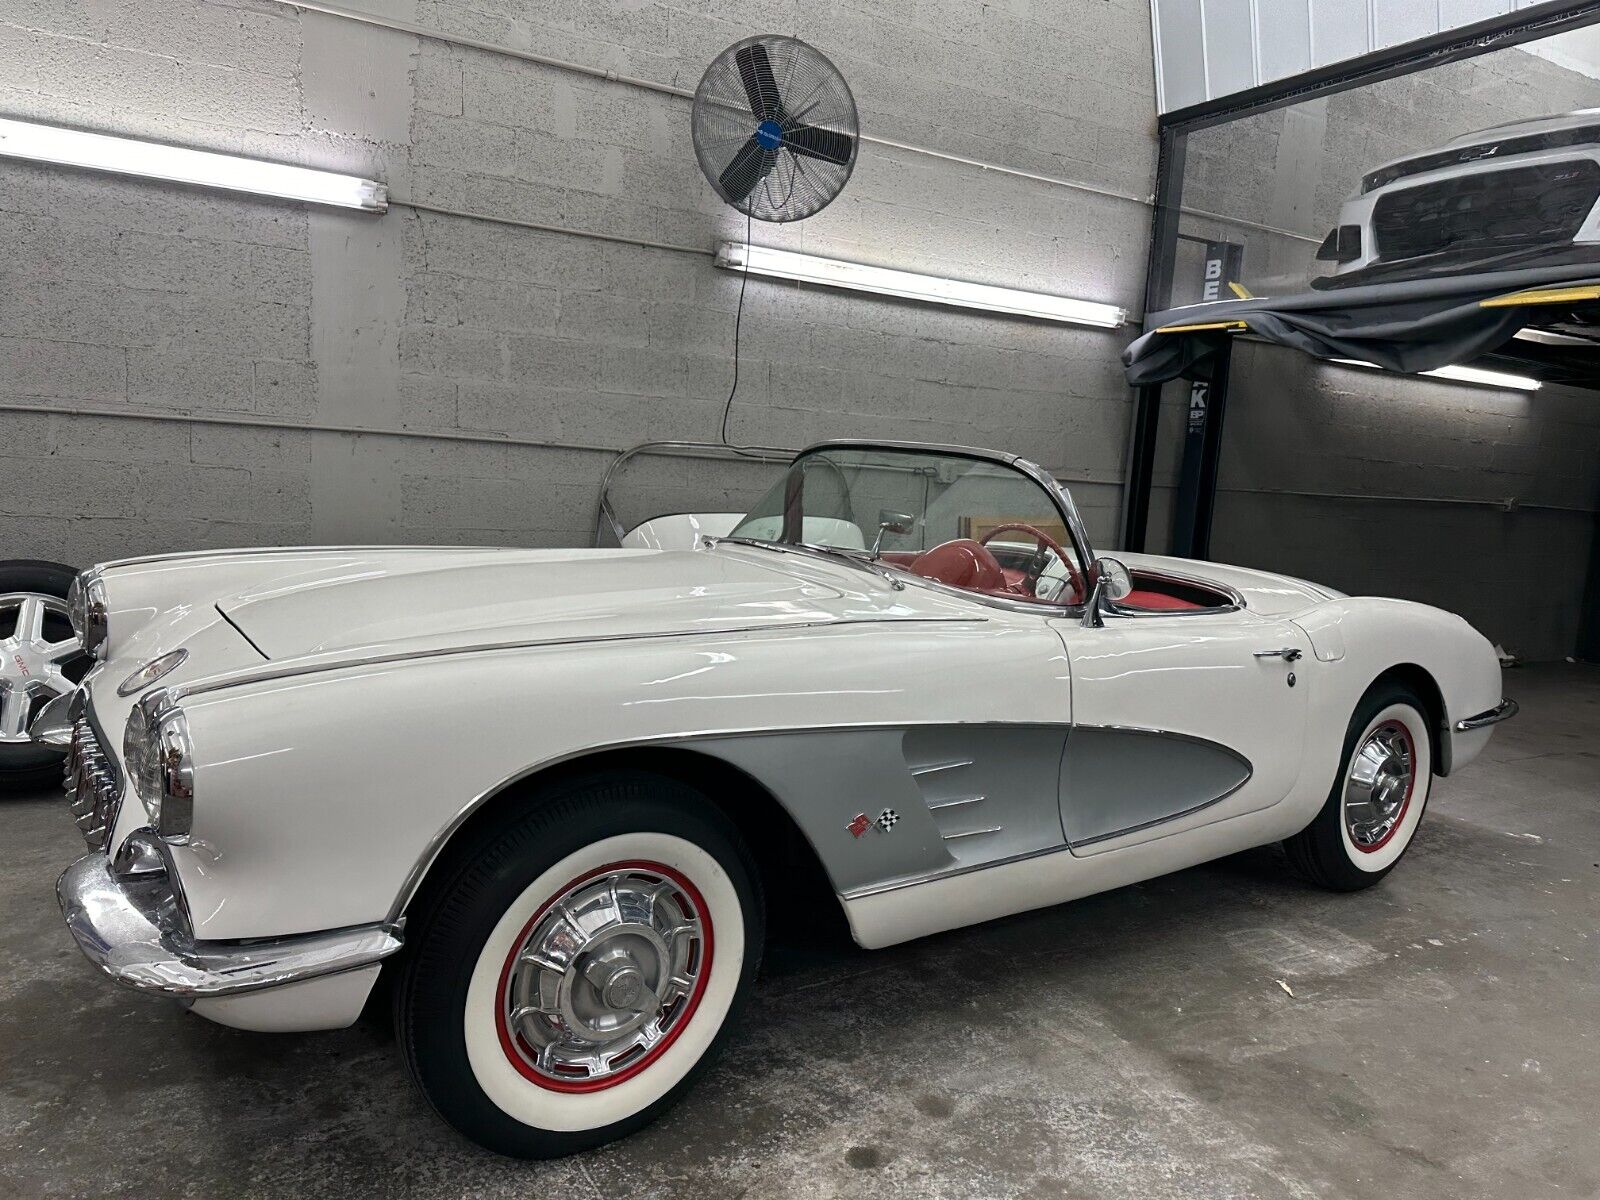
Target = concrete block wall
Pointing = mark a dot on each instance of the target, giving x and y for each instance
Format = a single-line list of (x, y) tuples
[(250, 320)]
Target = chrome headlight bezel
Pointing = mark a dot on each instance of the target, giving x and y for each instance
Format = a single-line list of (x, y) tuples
[(86, 609), (150, 672), (158, 756)]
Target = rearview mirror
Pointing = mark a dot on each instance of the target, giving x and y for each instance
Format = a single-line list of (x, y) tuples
[(890, 521), (1112, 581), (895, 522)]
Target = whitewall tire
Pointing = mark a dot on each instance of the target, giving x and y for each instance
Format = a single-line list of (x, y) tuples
[(1372, 813), (579, 965)]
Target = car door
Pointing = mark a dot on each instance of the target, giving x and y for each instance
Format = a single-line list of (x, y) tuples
[(1179, 720)]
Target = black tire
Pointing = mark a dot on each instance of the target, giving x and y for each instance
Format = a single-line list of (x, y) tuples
[(1323, 851), (26, 767), (476, 890)]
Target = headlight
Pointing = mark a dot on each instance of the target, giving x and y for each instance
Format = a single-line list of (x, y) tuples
[(86, 609), (159, 759)]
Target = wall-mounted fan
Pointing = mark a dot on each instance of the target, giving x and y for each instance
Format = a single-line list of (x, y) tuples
[(775, 128)]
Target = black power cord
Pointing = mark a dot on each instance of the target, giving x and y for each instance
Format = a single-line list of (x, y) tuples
[(738, 320)]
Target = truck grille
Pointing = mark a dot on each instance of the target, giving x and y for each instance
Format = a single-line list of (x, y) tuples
[(1501, 210), (93, 790)]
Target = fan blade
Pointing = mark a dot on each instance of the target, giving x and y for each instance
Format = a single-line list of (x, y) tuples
[(739, 177), (755, 68), (827, 144)]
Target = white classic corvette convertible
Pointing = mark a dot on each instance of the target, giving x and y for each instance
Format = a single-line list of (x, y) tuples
[(553, 791)]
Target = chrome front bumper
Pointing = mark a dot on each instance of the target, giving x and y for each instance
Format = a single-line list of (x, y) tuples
[(1503, 711), (133, 929)]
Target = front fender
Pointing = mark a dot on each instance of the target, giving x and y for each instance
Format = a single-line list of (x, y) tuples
[(317, 795), (1356, 639)]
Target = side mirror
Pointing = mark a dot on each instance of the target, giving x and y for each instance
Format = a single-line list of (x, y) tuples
[(1112, 581), (892, 522)]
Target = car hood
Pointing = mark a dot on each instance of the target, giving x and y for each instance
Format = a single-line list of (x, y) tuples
[(388, 602), (1577, 119)]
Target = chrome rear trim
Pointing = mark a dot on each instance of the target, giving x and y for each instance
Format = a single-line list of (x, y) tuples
[(1503, 711)]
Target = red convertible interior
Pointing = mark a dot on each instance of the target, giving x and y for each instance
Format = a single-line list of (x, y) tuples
[(969, 564)]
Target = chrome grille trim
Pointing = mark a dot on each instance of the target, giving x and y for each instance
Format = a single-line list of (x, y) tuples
[(94, 793)]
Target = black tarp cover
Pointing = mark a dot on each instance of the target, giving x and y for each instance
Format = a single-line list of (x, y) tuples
[(1409, 326)]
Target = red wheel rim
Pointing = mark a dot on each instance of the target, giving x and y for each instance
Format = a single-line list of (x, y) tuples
[(517, 1049), (1389, 727)]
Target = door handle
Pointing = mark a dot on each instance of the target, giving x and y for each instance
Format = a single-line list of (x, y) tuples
[(1289, 654)]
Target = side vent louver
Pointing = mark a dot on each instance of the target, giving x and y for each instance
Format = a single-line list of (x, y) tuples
[(957, 811)]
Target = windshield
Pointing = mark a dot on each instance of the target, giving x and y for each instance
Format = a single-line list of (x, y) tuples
[(965, 522)]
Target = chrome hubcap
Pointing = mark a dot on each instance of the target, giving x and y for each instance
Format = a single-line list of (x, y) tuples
[(36, 645), (1378, 788), (606, 974)]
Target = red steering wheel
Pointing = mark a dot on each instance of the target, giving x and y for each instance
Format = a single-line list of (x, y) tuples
[(1035, 569)]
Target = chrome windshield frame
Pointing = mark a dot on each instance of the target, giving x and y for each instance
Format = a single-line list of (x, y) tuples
[(1059, 495)]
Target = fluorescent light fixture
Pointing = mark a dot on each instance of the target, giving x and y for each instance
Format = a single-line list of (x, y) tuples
[(206, 168), (1497, 379), (831, 272)]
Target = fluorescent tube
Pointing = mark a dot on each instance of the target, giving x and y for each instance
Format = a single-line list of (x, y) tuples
[(206, 168), (832, 272), (1478, 375)]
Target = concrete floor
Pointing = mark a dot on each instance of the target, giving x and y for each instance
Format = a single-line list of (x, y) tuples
[(1441, 1040)]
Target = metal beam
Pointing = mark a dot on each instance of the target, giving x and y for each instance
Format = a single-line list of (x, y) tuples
[(1159, 260), (1468, 41)]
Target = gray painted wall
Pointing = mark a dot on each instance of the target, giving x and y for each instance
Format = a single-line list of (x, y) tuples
[(1336, 474), (127, 295), (1384, 451)]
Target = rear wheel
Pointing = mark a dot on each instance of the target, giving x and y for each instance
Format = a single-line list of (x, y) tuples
[(578, 966), (40, 659), (1376, 804)]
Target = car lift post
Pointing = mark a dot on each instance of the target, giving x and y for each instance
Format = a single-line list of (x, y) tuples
[(1202, 453)]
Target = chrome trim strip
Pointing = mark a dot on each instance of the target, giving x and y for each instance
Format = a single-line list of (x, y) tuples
[(894, 885), (961, 803), (955, 837), (257, 551), (290, 668), (126, 942), (1236, 600), (930, 768), (1504, 711), (1188, 812)]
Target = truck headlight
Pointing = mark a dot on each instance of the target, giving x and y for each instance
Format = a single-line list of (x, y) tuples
[(159, 759), (86, 609)]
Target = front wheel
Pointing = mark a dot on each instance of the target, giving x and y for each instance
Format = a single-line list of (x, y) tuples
[(579, 965), (1377, 802), (40, 659)]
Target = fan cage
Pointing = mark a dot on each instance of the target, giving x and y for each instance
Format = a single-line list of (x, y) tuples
[(775, 128)]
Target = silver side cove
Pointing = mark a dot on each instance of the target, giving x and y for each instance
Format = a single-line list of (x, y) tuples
[(1117, 781)]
